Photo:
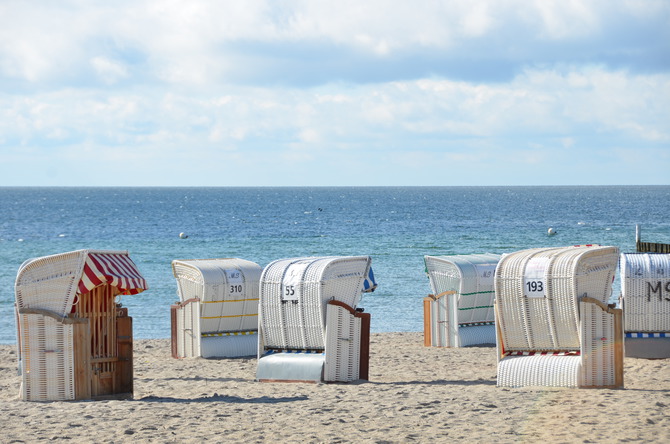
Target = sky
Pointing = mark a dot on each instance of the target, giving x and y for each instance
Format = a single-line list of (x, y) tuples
[(334, 93)]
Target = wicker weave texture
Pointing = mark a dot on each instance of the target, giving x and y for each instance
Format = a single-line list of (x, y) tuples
[(188, 330), (229, 345), (343, 333), (294, 293), (550, 321), (227, 289), (472, 278), (477, 335), (47, 359), (540, 371), (562, 342), (645, 291), (67, 289), (50, 282), (597, 346)]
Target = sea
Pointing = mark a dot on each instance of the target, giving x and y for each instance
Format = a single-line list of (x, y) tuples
[(396, 226)]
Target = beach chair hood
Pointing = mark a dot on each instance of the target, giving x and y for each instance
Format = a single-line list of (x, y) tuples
[(52, 282)]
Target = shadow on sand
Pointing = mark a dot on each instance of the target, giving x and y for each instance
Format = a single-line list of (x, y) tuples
[(223, 398)]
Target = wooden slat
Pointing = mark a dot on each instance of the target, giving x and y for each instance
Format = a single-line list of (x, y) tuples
[(499, 335), (173, 331), (364, 360), (618, 347), (427, 330), (82, 365), (652, 247), (648, 247), (124, 368)]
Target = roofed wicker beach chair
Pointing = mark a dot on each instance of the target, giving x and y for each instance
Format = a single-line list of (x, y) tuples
[(310, 328), (217, 315), (460, 312), (75, 340), (554, 325), (645, 300)]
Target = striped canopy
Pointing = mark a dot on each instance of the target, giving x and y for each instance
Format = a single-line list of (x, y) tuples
[(369, 284), (115, 269)]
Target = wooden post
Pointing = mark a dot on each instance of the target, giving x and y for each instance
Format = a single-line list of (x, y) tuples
[(500, 345), (427, 315), (173, 330), (81, 338), (618, 347), (364, 360), (124, 366)]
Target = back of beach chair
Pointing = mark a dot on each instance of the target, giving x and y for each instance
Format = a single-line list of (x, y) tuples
[(217, 315), (459, 312), (554, 325), (645, 299), (310, 329), (75, 341)]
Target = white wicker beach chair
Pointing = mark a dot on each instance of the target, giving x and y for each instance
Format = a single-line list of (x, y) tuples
[(460, 312), (553, 322), (645, 300), (309, 327), (217, 315), (75, 341)]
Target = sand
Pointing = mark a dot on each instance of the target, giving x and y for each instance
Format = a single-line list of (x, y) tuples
[(415, 394)]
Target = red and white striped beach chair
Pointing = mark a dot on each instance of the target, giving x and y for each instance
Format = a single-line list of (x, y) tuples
[(75, 341), (309, 326), (554, 325), (645, 300), (217, 315)]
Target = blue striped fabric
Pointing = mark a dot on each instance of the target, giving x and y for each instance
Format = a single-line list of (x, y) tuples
[(648, 335), (369, 285), (303, 352)]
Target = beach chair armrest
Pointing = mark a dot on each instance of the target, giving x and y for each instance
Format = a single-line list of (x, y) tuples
[(346, 343), (601, 341), (55, 316)]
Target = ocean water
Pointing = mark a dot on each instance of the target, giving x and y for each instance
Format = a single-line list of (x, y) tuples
[(396, 226)]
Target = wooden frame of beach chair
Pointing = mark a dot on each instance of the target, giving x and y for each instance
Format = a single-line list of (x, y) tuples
[(217, 316), (309, 327), (645, 300), (554, 325), (460, 312), (74, 340)]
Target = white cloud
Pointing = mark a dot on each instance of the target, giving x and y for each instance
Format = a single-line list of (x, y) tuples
[(564, 19), (110, 71), (478, 85)]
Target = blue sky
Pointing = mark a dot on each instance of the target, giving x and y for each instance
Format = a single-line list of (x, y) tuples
[(305, 93)]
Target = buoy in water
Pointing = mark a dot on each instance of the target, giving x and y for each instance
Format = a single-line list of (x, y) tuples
[(551, 231), (183, 235)]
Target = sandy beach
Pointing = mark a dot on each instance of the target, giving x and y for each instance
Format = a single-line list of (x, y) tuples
[(415, 394)]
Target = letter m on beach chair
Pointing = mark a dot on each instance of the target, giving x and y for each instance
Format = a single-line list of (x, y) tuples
[(309, 327), (645, 300), (553, 323)]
